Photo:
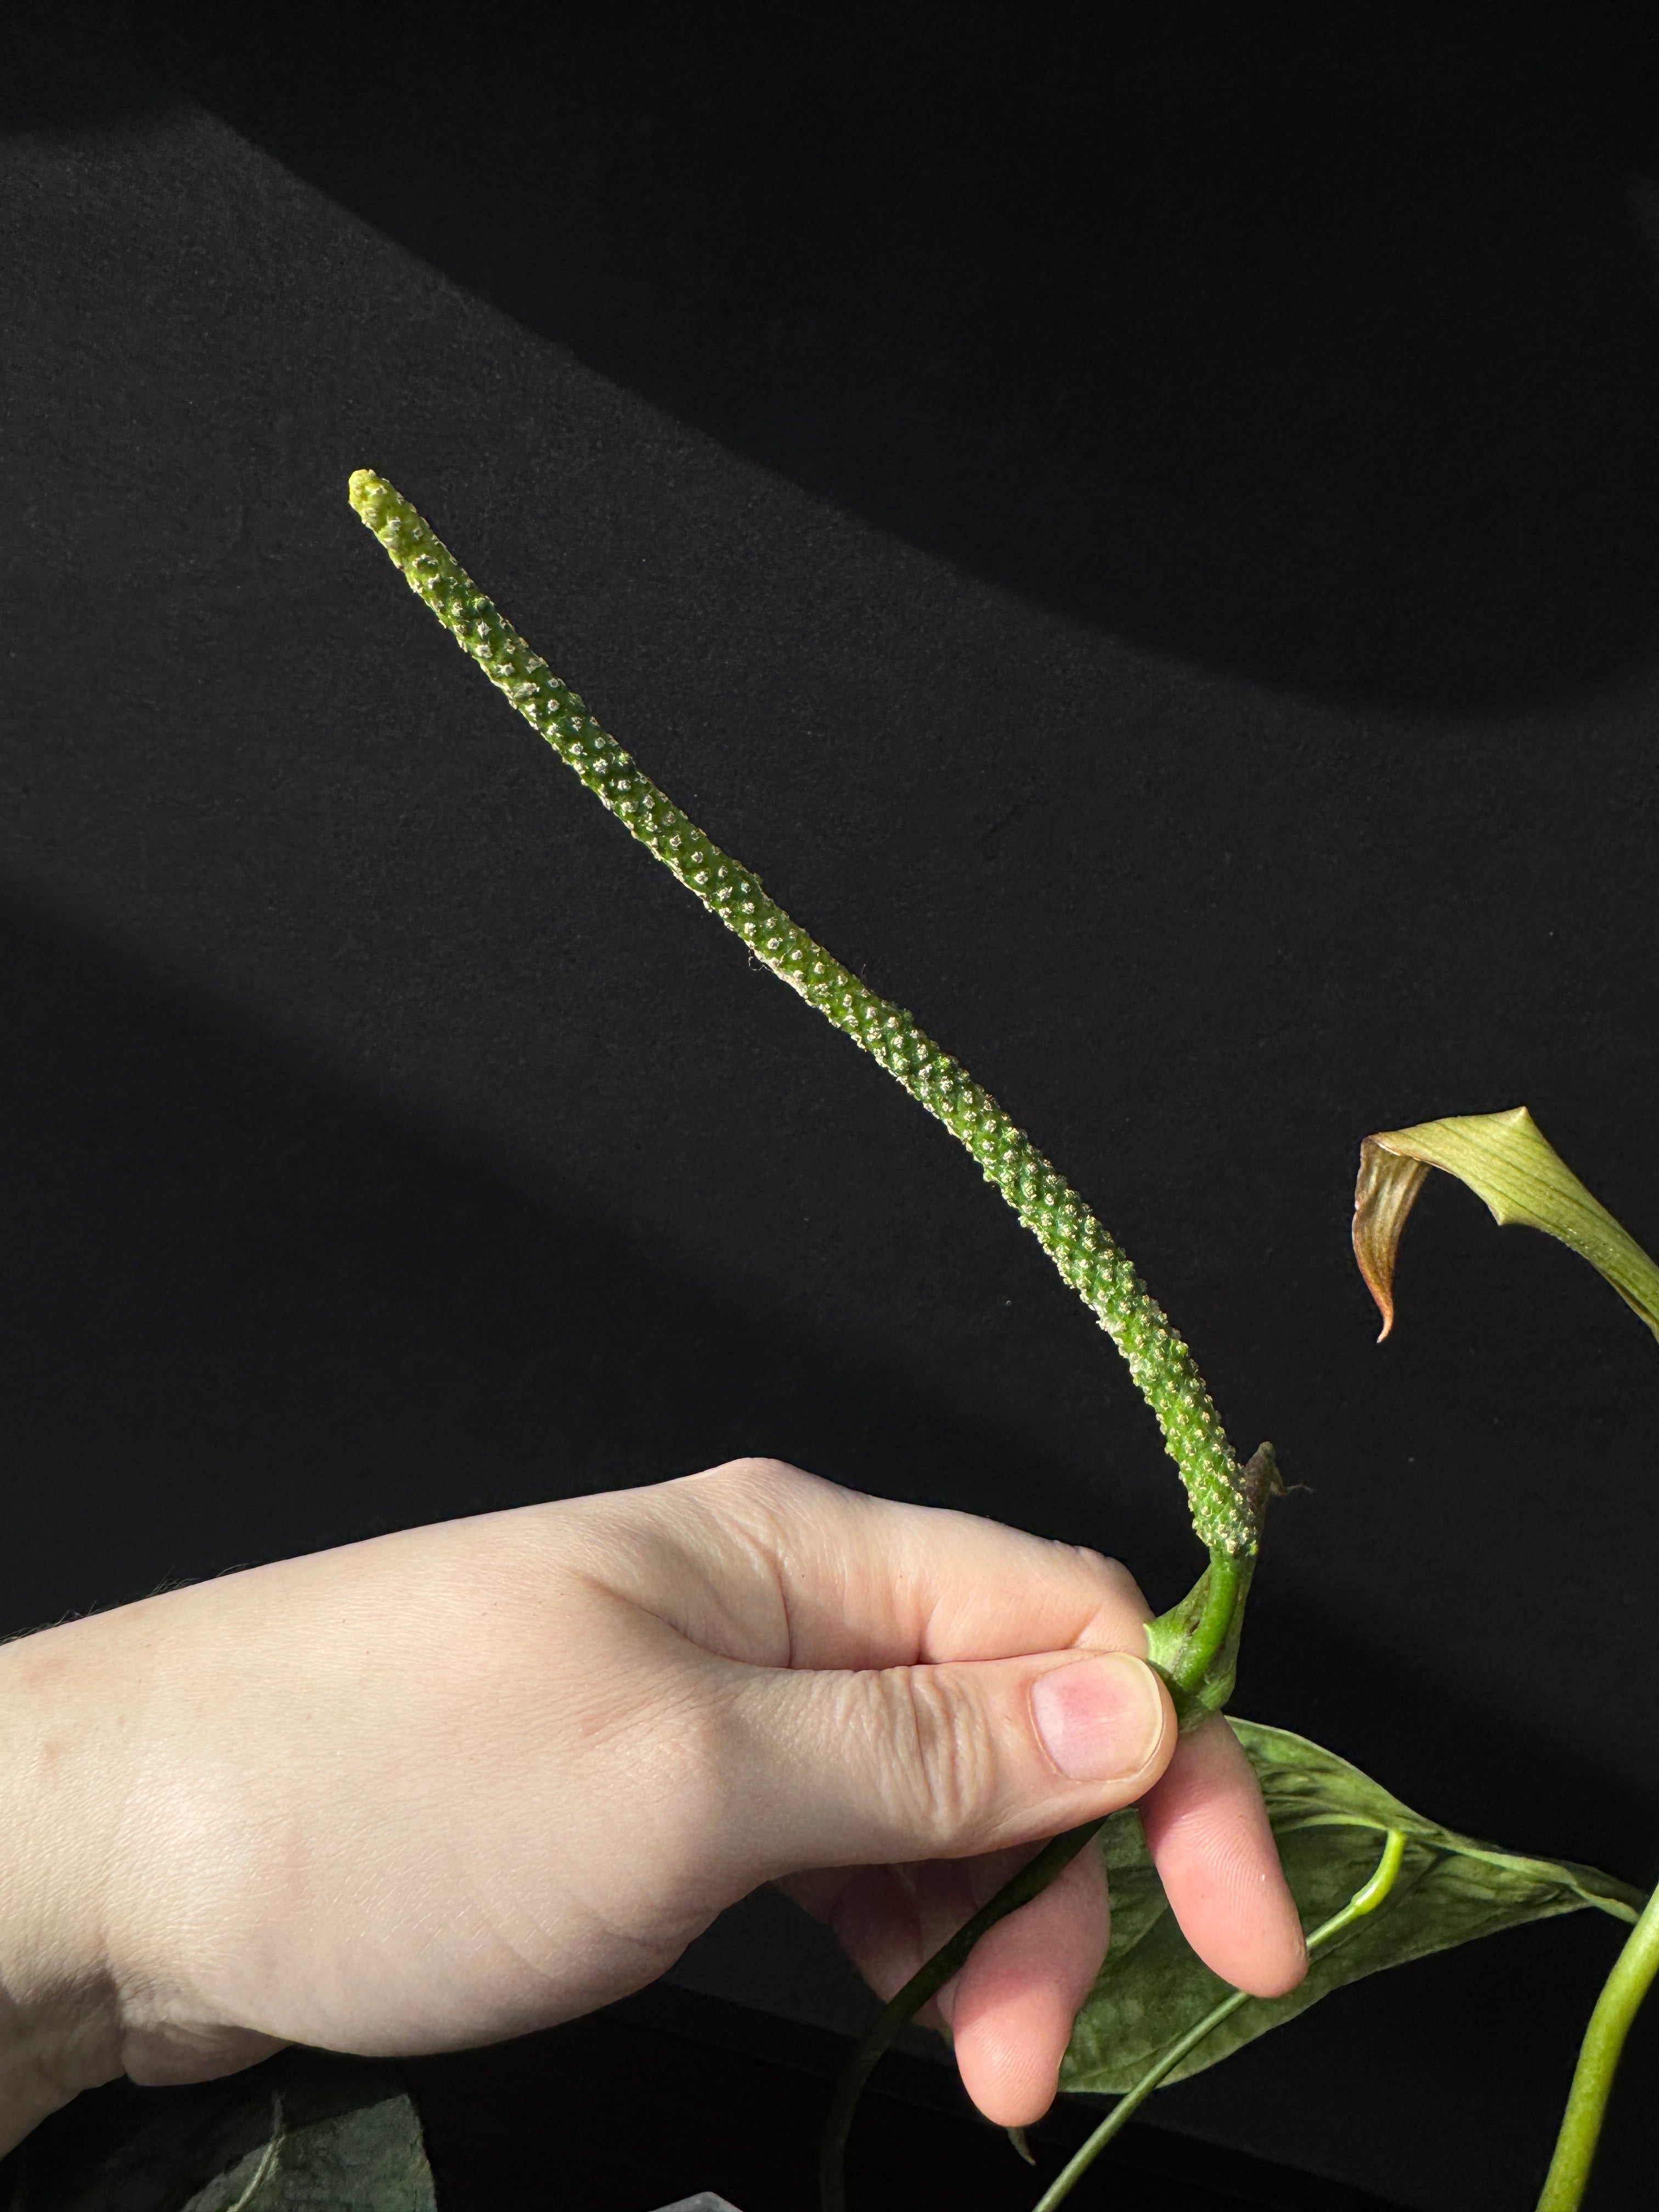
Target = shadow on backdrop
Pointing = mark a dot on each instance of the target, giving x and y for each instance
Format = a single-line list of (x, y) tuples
[(1321, 348), (265, 1316)]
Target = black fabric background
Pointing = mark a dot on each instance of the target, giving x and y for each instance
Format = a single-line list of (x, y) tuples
[(1144, 529)]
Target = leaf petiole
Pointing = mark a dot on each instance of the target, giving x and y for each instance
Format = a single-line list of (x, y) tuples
[(1363, 1901), (1598, 2061)]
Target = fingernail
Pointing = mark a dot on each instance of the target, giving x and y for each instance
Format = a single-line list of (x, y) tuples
[(1100, 1719)]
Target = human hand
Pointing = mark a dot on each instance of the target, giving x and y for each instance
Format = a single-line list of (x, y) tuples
[(468, 1780)]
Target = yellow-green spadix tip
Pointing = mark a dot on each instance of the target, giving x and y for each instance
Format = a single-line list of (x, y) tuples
[(370, 497)]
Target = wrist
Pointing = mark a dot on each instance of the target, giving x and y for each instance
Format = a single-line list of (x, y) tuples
[(60, 2024), (53, 2044)]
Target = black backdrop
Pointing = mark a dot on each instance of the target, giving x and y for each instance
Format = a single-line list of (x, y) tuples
[(1143, 530)]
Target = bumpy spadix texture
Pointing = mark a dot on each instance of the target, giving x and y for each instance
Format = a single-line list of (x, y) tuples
[(1224, 1513)]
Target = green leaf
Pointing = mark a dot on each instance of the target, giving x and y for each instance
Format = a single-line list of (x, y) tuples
[(303, 2133), (1328, 1819), (1505, 1159)]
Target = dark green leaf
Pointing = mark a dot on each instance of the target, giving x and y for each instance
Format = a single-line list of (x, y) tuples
[(304, 2133), (1330, 1821)]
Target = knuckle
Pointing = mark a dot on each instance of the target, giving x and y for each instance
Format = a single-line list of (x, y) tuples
[(758, 1483), (945, 1761), (765, 1499)]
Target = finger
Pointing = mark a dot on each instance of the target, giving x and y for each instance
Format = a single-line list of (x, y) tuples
[(889, 1920), (1210, 1839), (1012, 2007), (758, 1562), (893, 1764)]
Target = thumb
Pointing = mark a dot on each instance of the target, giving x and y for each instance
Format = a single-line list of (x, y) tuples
[(867, 1768)]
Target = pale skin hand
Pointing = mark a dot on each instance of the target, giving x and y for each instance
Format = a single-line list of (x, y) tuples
[(470, 1780)]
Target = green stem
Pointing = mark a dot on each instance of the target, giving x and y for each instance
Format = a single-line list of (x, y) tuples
[(1226, 1583), (1362, 1902), (1194, 1646), (1030, 1882), (1598, 2062)]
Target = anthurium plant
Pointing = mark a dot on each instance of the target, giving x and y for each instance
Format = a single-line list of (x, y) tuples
[(1376, 1883)]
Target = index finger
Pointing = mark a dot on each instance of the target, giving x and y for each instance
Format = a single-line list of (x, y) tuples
[(759, 1562)]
